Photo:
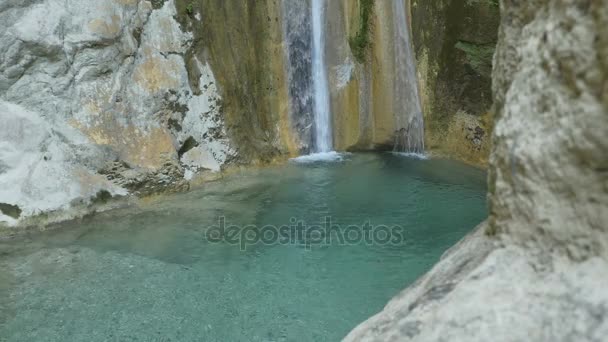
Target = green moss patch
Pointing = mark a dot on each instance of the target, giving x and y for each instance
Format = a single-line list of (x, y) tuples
[(190, 8), (156, 4), (360, 42), (10, 210), (479, 56)]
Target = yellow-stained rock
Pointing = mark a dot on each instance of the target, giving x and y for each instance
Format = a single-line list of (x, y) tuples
[(156, 73)]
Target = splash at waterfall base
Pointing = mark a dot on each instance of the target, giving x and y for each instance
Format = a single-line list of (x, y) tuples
[(331, 156)]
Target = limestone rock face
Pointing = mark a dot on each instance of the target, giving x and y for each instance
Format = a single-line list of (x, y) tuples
[(96, 101), (242, 41), (549, 166), (455, 42), (366, 112), (536, 271)]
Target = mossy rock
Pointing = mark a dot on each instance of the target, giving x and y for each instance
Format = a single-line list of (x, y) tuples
[(479, 56), (360, 42)]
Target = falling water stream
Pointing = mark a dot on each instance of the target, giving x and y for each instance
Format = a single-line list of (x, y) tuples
[(410, 123), (305, 34), (304, 29), (322, 122)]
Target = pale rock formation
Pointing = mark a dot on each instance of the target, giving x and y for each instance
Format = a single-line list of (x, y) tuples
[(95, 101)]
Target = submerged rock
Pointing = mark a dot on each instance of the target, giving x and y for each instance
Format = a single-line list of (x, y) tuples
[(536, 271)]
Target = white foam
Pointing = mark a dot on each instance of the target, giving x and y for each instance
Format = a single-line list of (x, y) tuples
[(421, 156), (332, 156)]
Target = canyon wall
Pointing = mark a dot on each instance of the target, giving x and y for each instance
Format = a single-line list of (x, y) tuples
[(243, 43), (361, 58), (103, 99), (455, 42), (359, 39), (534, 271)]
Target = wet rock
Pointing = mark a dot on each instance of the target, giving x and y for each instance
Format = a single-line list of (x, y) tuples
[(10, 210), (245, 51), (455, 42), (143, 182)]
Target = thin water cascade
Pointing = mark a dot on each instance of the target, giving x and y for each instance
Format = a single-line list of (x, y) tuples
[(304, 29), (409, 137), (322, 120), (298, 48)]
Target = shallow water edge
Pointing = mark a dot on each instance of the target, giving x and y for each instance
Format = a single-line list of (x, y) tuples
[(85, 211)]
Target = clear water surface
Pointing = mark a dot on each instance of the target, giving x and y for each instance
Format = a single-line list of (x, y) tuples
[(149, 273)]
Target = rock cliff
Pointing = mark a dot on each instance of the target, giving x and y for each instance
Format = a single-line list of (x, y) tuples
[(114, 99), (535, 270), (111, 98), (363, 38), (455, 42)]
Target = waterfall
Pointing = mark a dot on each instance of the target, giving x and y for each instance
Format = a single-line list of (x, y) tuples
[(322, 120), (298, 41), (304, 28), (410, 130)]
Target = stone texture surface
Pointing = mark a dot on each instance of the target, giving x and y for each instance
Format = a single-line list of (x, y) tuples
[(243, 43), (454, 43), (537, 269), (101, 99), (348, 79), (482, 291), (113, 98), (363, 93)]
